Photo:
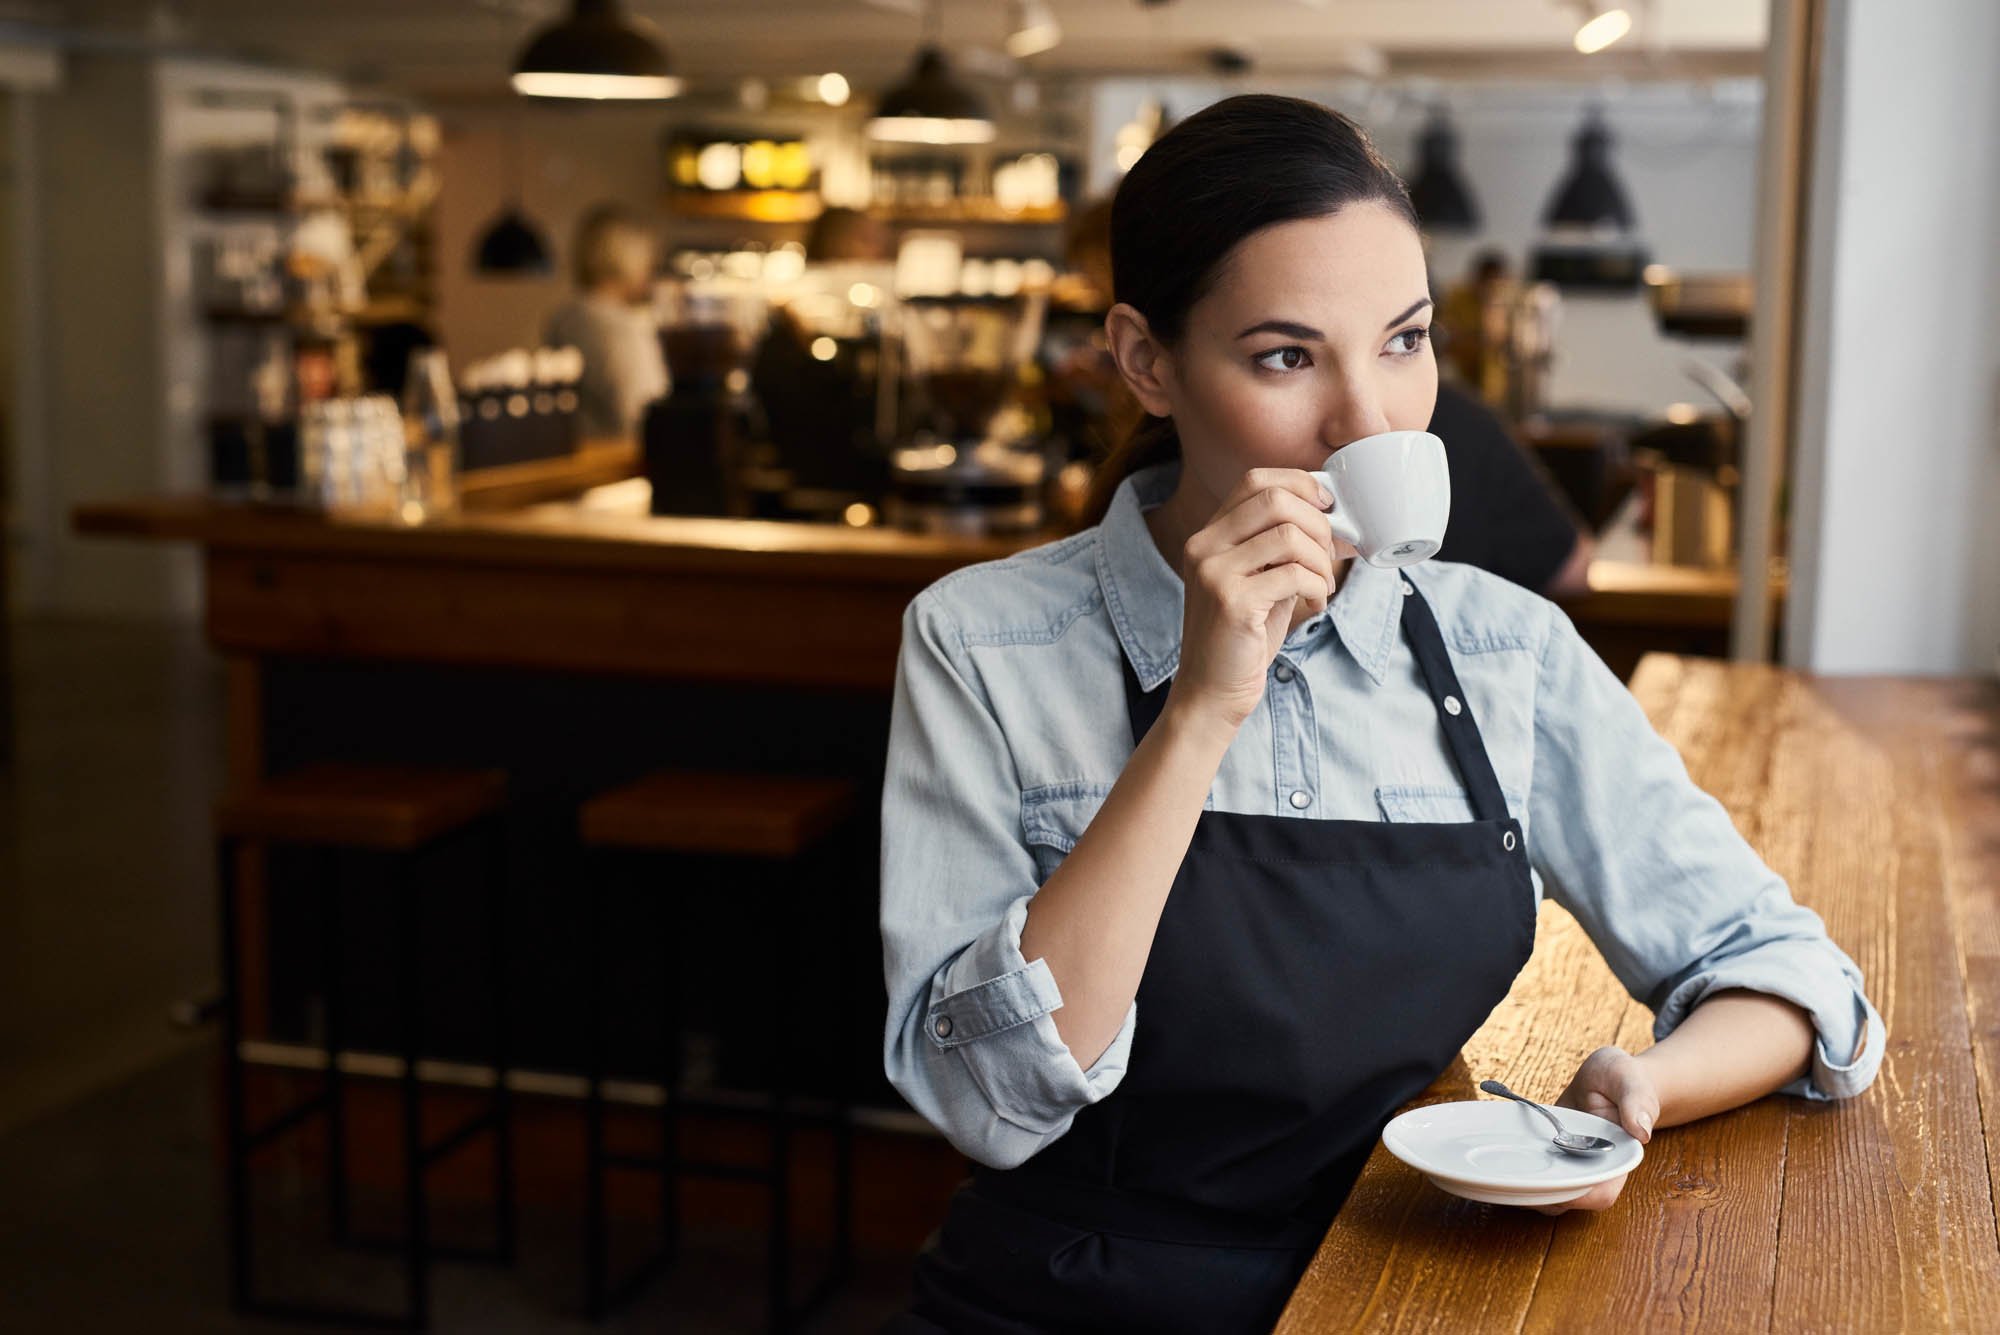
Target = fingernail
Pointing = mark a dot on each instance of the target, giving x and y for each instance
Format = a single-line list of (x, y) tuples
[(1646, 1125), (1325, 499)]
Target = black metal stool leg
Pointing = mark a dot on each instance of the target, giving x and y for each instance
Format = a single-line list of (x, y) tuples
[(410, 1005), (503, 1096), (596, 1260), (670, 1103), (235, 1151), (778, 1288), (849, 1010), (331, 957)]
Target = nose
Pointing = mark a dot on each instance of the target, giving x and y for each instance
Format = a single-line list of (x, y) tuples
[(1356, 410)]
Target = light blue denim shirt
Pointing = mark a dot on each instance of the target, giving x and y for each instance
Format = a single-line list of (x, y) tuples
[(1010, 727)]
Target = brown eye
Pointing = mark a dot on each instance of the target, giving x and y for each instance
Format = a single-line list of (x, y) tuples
[(1291, 358), (1409, 342)]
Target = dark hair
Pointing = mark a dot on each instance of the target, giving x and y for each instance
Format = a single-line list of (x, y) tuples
[(1235, 168)]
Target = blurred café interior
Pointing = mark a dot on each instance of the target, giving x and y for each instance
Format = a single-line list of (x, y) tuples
[(466, 461)]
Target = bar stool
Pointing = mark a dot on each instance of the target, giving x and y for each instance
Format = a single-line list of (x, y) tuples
[(337, 810), (774, 819)]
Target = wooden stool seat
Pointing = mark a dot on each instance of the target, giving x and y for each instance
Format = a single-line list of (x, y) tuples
[(388, 808), (744, 815)]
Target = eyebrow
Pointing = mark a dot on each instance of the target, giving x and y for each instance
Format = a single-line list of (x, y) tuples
[(1291, 329)]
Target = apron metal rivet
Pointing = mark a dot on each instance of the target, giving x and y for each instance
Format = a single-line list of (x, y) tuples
[(943, 1026), (1408, 589), (1507, 841)]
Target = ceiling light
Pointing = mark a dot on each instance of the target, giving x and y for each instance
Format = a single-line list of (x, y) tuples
[(1589, 195), (598, 52), (931, 107), (832, 90), (1439, 193), (1602, 30), (1033, 29)]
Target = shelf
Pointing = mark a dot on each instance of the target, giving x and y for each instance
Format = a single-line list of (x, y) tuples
[(764, 206), (971, 211)]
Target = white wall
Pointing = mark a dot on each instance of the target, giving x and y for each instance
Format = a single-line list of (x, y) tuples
[(1896, 549), (1686, 153)]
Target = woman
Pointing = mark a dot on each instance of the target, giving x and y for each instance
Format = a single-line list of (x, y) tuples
[(610, 321), (1206, 846)]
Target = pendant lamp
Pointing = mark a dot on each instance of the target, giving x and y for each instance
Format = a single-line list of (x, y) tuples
[(1439, 194), (930, 106), (1590, 195), (598, 52), (1591, 241), (512, 246)]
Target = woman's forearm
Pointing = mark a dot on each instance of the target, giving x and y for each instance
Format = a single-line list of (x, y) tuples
[(1093, 921), (1732, 1049)]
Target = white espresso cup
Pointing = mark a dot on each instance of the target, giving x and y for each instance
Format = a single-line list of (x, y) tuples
[(1391, 496)]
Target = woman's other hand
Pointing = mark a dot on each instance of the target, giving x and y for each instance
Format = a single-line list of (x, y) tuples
[(1269, 548), (1614, 1085)]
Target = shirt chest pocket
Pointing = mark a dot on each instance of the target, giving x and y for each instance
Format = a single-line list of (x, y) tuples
[(1054, 817)]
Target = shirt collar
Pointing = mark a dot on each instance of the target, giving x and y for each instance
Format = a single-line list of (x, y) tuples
[(1144, 594)]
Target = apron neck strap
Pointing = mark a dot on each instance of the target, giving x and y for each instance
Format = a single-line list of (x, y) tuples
[(1461, 734)]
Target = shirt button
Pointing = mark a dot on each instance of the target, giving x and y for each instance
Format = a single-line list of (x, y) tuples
[(1301, 799), (942, 1028), (1312, 627), (1452, 706), (1284, 673), (1408, 588)]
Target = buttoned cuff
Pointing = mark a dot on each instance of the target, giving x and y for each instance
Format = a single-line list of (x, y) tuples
[(991, 1008), (1849, 1036)]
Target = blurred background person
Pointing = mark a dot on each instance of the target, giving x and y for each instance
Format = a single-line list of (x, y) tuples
[(610, 320)]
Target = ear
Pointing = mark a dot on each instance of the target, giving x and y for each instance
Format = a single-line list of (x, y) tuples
[(1142, 360)]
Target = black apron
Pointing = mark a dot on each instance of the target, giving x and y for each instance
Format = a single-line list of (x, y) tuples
[(1308, 978)]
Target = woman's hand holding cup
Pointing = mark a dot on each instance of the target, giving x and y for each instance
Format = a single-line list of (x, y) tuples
[(1269, 549)]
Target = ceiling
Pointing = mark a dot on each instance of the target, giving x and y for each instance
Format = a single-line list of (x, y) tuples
[(461, 48)]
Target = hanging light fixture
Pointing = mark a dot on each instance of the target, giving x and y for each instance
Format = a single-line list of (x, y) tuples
[(1590, 221), (930, 106), (1590, 195), (1439, 194), (512, 246), (598, 52)]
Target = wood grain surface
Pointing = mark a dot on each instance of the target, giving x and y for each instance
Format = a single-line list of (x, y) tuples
[(1879, 801)]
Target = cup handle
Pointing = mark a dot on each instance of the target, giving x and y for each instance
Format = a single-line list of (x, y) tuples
[(1343, 527)]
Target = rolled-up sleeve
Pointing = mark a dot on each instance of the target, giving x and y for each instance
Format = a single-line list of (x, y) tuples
[(969, 1041), (1653, 868)]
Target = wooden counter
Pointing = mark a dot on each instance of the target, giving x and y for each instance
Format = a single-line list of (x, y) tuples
[(556, 586), (1879, 800)]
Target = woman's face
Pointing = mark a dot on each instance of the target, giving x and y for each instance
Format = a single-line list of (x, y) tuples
[(1312, 335)]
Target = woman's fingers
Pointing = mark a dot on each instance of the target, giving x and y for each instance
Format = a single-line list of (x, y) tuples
[(1277, 546), (1600, 1197), (1237, 522), (1268, 588)]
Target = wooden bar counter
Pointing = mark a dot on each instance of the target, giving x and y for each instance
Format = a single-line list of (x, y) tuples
[(1879, 801), (560, 587)]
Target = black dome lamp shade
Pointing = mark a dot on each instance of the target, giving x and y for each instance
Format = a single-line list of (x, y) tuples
[(512, 247), (1439, 194), (929, 106), (598, 52), (1590, 196)]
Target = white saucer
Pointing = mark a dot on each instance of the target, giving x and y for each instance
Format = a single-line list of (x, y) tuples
[(1498, 1151)]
